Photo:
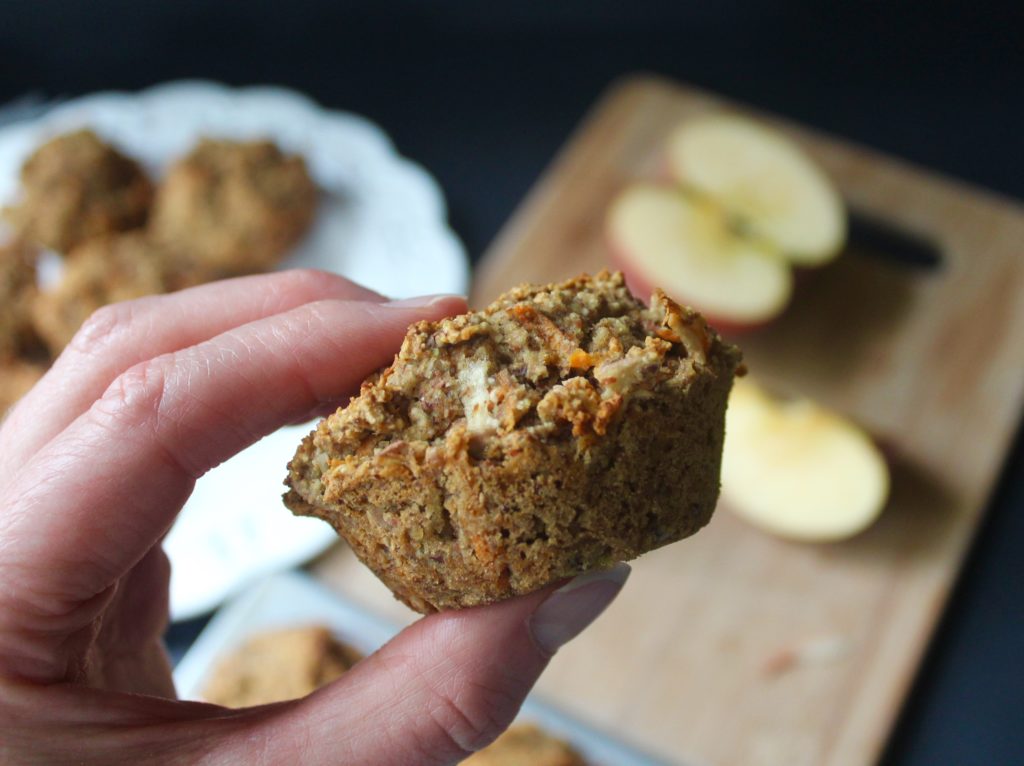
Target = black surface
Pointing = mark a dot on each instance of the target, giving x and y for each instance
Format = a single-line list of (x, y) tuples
[(483, 94)]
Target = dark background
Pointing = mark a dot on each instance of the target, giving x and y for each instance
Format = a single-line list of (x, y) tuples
[(484, 93)]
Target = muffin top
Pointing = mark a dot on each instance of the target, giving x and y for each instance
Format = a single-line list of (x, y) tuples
[(526, 743), (554, 362), (105, 270), (278, 665), (76, 186), (235, 205)]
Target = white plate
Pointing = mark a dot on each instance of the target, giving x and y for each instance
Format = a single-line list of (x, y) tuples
[(290, 599), (381, 222)]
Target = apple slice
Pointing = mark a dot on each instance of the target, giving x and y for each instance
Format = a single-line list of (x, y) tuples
[(661, 236), (765, 180), (798, 470)]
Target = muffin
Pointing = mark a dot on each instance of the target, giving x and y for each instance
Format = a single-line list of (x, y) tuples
[(561, 429), (17, 290), (102, 271), (17, 376), (279, 665), (526, 745), (235, 207), (76, 187)]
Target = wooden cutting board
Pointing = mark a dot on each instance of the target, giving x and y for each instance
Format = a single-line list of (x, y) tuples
[(734, 647)]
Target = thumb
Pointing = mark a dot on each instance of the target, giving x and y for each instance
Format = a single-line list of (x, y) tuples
[(443, 688)]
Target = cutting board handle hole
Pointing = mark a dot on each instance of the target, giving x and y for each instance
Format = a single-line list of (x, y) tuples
[(877, 238)]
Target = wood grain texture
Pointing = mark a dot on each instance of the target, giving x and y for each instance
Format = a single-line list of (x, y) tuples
[(696, 659)]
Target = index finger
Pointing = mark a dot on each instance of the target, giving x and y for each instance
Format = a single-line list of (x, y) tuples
[(93, 501), (123, 334)]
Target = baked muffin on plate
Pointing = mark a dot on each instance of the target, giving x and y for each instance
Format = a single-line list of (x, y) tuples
[(526, 745), (234, 207), (106, 270), (76, 187), (561, 429), (17, 291), (279, 665)]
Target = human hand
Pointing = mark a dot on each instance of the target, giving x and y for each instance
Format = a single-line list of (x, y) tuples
[(97, 460)]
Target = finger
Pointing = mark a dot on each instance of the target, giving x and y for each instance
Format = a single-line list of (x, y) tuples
[(128, 650), (445, 687), (123, 334), (89, 504)]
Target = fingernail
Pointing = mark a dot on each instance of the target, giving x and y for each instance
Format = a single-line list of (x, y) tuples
[(422, 301), (571, 608)]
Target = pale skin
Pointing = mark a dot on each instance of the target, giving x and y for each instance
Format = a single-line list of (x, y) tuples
[(97, 460)]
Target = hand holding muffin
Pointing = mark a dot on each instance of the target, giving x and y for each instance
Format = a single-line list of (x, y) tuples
[(98, 458)]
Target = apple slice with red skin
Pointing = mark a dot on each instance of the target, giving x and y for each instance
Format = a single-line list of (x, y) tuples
[(765, 181), (640, 286), (798, 470), (661, 236)]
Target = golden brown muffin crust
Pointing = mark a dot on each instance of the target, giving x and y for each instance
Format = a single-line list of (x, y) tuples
[(560, 429), (235, 207), (279, 665), (526, 745), (75, 187), (17, 291), (103, 271)]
